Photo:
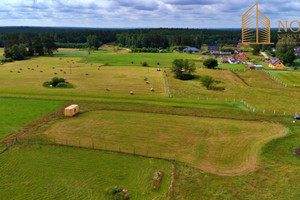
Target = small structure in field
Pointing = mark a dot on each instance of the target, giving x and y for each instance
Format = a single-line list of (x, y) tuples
[(152, 90), (71, 110), (147, 82), (107, 89), (131, 92), (145, 79)]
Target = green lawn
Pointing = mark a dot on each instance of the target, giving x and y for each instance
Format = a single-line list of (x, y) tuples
[(233, 67), (74, 53), (164, 59), (15, 113), (49, 172), (288, 77)]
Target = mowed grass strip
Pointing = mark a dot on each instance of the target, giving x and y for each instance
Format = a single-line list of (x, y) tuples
[(15, 113), (290, 78), (164, 59), (50, 172), (219, 146)]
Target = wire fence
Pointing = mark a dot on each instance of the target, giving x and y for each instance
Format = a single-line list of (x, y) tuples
[(167, 83)]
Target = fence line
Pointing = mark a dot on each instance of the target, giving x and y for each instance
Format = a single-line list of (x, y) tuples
[(167, 83)]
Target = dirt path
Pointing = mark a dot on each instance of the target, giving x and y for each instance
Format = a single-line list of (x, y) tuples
[(265, 55)]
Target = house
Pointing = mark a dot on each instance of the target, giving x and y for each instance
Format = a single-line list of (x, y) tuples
[(191, 49), (212, 48), (276, 63), (297, 52), (241, 56), (233, 61), (221, 54)]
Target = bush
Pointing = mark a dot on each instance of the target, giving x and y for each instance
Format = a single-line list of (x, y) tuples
[(210, 63), (209, 83), (117, 193), (58, 83), (145, 64), (7, 60)]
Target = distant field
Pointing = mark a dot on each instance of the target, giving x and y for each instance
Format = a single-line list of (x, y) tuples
[(290, 78), (201, 142), (255, 87), (164, 59), (70, 53), (15, 113), (48, 172), (233, 67)]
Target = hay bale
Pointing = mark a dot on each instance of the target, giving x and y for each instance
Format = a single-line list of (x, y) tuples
[(158, 69), (152, 90), (147, 82), (21, 69), (145, 79), (32, 69), (19, 72), (86, 74), (60, 58), (28, 68), (11, 71), (65, 72), (107, 89), (37, 66), (53, 67), (41, 70), (131, 93), (55, 73), (61, 70)]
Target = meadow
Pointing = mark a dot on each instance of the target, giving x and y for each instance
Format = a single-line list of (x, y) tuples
[(51, 172), (224, 149), (196, 141)]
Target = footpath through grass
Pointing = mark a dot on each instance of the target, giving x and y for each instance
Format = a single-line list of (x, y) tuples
[(50, 172), (15, 113)]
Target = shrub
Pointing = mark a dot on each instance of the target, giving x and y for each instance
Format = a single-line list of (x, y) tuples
[(106, 64), (58, 83), (145, 64), (7, 60), (210, 63), (209, 83), (117, 193)]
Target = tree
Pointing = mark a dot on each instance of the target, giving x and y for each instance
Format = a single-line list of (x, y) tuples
[(30, 48), (183, 69), (208, 81), (210, 63), (49, 45), (92, 41), (38, 46), (285, 50), (256, 50)]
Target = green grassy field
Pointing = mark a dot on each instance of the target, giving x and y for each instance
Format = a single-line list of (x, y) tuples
[(70, 53), (164, 59), (197, 141), (233, 67), (277, 176), (15, 113), (290, 78), (211, 132), (49, 172)]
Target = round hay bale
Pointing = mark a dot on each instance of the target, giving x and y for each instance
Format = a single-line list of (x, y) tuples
[(65, 72), (21, 69), (55, 73), (158, 69), (11, 71), (152, 90), (37, 66), (86, 74), (32, 69), (145, 79), (107, 89), (19, 72), (53, 67), (131, 93), (147, 82), (61, 70), (41, 70), (28, 68)]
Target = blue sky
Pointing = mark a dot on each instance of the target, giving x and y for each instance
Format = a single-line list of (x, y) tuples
[(141, 13)]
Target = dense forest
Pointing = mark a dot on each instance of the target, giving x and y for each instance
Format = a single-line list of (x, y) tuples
[(132, 38)]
